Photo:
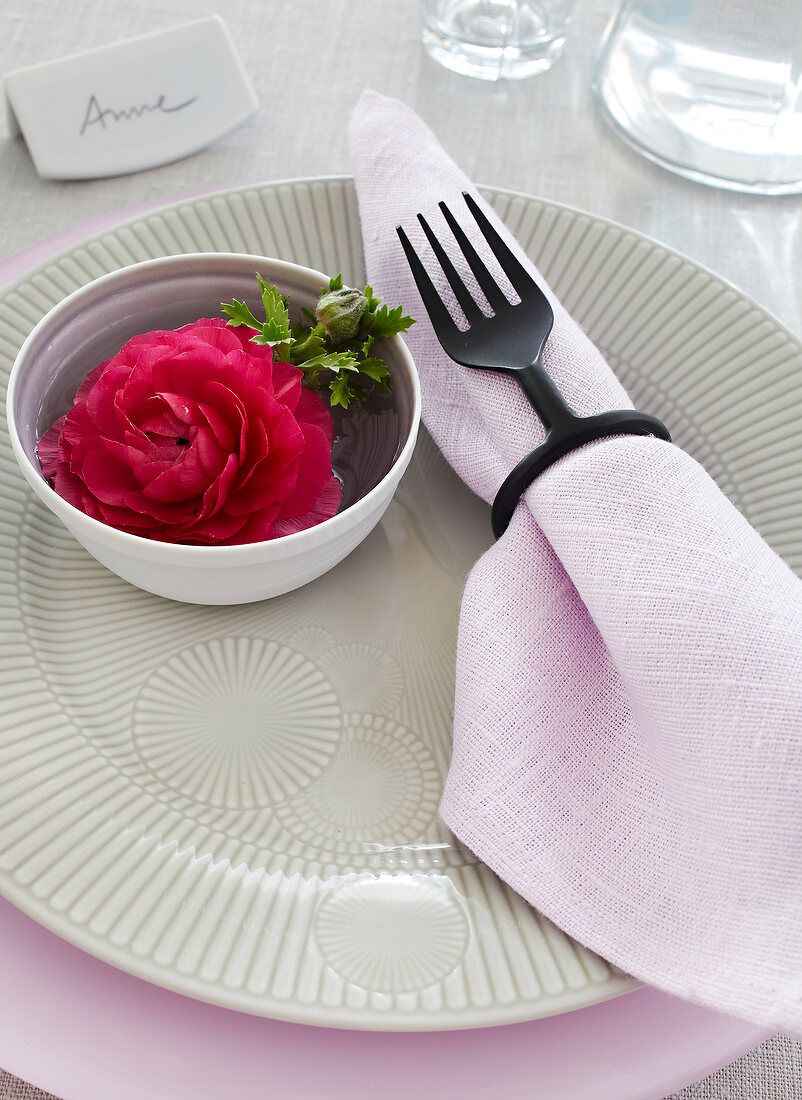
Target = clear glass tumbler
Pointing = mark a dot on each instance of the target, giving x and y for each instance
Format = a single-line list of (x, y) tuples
[(711, 89), (495, 39)]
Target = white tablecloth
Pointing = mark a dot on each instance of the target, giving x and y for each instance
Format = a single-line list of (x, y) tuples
[(309, 60)]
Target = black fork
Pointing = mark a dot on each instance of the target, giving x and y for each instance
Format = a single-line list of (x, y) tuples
[(511, 340)]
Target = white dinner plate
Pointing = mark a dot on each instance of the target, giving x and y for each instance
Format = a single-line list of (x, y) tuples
[(309, 879)]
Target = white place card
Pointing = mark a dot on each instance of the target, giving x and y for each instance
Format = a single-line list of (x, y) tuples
[(131, 105)]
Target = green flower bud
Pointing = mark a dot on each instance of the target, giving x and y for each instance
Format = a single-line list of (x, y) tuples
[(341, 312)]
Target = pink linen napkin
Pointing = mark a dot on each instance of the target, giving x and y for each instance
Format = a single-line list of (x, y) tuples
[(628, 715)]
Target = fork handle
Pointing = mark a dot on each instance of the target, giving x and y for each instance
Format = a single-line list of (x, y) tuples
[(544, 397), (566, 432)]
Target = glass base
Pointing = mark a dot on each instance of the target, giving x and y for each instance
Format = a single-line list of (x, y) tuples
[(491, 62), (495, 39), (749, 187)]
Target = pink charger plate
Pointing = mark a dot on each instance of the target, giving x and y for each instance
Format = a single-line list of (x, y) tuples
[(79, 1028)]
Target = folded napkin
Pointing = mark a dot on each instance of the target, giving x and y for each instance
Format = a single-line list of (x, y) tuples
[(628, 715)]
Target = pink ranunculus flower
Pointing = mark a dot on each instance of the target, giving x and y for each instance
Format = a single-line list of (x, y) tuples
[(195, 435)]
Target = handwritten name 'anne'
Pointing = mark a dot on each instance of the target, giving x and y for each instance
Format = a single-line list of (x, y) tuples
[(97, 115)]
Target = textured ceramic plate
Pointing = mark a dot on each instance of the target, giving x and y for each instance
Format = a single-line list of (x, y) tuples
[(241, 803)]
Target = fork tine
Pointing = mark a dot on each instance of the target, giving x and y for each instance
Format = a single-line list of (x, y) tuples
[(493, 292), (440, 317), (469, 306), (511, 265)]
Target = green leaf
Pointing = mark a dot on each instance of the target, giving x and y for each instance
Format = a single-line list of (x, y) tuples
[(374, 368), (277, 326), (336, 361), (373, 303), (308, 344), (389, 322), (239, 314), (276, 332), (272, 335), (340, 391), (336, 283)]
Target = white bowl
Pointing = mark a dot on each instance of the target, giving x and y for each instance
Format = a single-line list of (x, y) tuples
[(94, 322)]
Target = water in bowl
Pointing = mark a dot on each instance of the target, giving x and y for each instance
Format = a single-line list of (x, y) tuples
[(368, 437)]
